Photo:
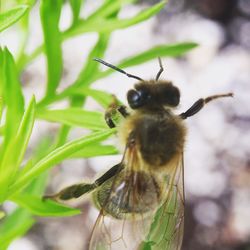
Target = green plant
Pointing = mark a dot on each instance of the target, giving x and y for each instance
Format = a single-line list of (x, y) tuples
[(23, 181)]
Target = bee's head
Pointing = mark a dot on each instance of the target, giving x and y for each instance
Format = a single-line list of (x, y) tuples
[(153, 94)]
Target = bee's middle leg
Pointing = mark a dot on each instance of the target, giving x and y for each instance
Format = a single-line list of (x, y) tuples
[(198, 105)]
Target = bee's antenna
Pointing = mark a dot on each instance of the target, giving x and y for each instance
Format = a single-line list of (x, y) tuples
[(117, 69), (161, 69)]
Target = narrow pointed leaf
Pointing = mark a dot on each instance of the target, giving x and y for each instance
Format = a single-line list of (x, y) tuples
[(169, 50), (108, 25), (108, 8), (12, 96), (1, 110), (75, 7), (1, 73), (14, 225), (85, 77), (24, 131), (15, 150), (11, 16), (91, 69), (57, 156), (75, 117), (37, 206), (43, 148), (102, 97), (95, 150), (50, 14)]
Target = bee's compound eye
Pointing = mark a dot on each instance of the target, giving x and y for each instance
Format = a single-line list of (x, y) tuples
[(134, 99), (173, 97)]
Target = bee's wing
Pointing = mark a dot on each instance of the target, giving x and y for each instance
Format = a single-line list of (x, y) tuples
[(112, 234), (161, 230), (166, 231)]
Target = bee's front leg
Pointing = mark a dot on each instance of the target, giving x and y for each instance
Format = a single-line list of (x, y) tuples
[(198, 105), (112, 110)]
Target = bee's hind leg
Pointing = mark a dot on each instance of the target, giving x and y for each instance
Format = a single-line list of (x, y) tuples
[(71, 192), (198, 105), (80, 189), (111, 112)]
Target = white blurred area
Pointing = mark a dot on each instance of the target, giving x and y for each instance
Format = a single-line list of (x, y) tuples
[(218, 145)]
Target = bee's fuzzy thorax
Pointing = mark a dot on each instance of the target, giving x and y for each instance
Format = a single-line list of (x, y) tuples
[(159, 136)]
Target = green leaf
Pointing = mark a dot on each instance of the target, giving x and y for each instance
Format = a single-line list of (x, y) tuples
[(108, 8), (75, 117), (1, 73), (23, 28), (17, 224), (91, 69), (2, 214), (87, 74), (102, 97), (75, 7), (1, 108), (169, 50), (57, 156), (43, 147), (62, 136), (95, 150), (84, 79), (14, 225), (28, 2), (50, 14), (11, 16), (40, 207), (108, 25), (37, 186), (12, 96), (15, 150), (24, 132)]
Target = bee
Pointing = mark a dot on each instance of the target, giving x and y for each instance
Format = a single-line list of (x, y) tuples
[(141, 199)]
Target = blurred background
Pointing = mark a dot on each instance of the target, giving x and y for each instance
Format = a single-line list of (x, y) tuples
[(217, 153)]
